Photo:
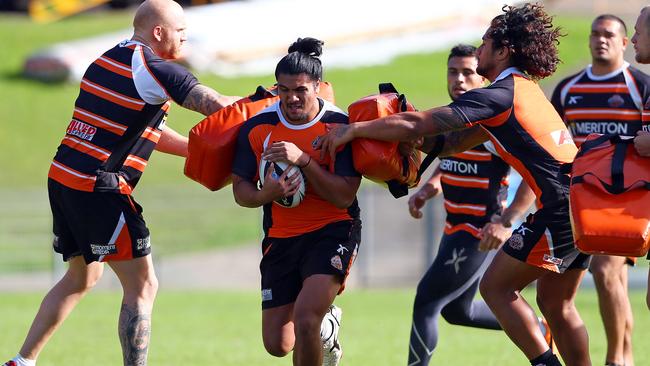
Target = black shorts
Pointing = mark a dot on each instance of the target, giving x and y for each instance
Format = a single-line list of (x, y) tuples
[(545, 240), (287, 262), (101, 226)]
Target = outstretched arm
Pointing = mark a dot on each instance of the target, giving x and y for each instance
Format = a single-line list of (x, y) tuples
[(171, 142), (206, 100), (403, 126), (455, 142)]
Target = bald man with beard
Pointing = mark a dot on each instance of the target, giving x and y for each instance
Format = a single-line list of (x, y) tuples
[(118, 120)]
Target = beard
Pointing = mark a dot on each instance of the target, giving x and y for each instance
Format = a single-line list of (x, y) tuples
[(483, 70)]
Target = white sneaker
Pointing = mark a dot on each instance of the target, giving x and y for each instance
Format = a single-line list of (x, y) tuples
[(332, 351)]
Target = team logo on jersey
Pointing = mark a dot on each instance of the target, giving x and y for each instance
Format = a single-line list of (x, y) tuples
[(615, 101), (103, 249), (315, 142), (458, 166), (574, 99), (335, 261), (267, 294), (456, 258), (516, 241), (522, 230), (55, 241), (554, 260), (561, 137), (82, 130), (143, 243)]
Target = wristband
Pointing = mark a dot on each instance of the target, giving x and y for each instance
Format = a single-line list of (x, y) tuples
[(304, 166)]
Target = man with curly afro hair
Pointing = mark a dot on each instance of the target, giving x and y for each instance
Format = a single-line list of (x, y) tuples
[(519, 48)]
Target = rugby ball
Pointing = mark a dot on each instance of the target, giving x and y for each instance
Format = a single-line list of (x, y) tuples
[(278, 169)]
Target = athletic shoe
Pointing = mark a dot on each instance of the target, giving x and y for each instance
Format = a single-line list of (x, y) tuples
[(332, 351), (546, 331)]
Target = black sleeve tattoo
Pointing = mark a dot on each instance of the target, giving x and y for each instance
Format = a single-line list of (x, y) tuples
[(459, 141), (203, 99), (449, 123), (134, 332), (445, 120)]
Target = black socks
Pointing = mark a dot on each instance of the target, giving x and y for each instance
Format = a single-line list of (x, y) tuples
[(546, 359)]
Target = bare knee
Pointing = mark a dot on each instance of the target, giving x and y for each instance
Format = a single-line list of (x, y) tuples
[(307, 323), (276, 344), (606, 272), (548, 303), (601, 274), (138, 279), (146, 288), (488, 289), (278, 349), (552, 305), (83, 279)]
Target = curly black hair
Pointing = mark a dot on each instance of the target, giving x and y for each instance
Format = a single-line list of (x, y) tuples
[(529, 34)]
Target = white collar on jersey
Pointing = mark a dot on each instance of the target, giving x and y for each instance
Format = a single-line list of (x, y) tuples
[(326, 106), (505, 73), (128, 42), (591, 75)]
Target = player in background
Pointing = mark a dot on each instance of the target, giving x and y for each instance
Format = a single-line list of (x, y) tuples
[(118, 120), (607, 98), (474, 184), (641, 41), (308, 250), (518, 48)]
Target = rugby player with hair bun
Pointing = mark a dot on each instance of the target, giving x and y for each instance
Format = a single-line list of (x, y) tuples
[(308, 249)]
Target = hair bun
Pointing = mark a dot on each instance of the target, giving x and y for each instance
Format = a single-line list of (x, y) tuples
[(310, 46)]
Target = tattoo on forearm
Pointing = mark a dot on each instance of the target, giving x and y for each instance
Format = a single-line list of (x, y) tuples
[(458, 141), (134, 332), (202, 99), (447, 120)]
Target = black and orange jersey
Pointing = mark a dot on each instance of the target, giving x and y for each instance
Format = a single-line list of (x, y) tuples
[(313, 212), (118, 119), (606, 104), (474, 184), (526, 131)]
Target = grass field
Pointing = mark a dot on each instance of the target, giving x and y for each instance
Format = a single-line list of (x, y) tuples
[(223, 328), (181, 214)]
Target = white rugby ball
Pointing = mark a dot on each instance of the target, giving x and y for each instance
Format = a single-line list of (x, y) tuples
[(279, 168)]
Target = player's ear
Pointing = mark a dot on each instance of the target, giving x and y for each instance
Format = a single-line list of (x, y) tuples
[(317, 86), (504, 53), (157, 33)]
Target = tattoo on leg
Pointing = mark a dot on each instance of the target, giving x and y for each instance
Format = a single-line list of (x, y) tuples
[(134, 332)]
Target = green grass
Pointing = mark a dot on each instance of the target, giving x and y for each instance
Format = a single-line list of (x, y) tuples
[(181, 214), (223, 328)]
